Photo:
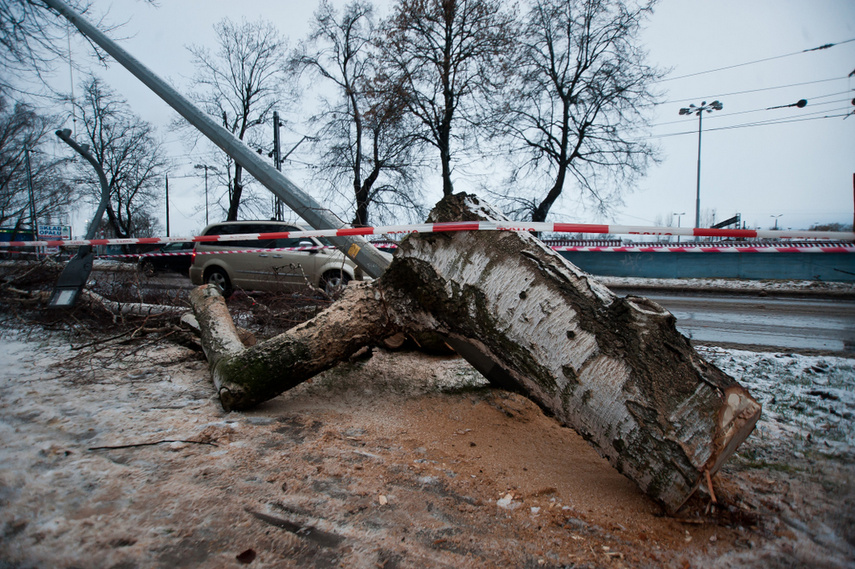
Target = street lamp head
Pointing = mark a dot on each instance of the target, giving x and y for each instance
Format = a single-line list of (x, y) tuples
[(802, 103), (692, 109)]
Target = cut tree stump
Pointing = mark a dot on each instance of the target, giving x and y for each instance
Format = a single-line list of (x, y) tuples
[(614, 369)]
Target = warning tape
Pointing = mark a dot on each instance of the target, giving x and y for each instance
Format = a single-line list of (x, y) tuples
[(726, 249), (764, 248), (217, 252), (458, 226)]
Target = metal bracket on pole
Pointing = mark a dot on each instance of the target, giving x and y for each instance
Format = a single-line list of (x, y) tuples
[(75, 274), (365, 255)]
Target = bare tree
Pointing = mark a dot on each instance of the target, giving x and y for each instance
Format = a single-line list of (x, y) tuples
[(24, 165), (441, 57), (580, 85), (362, 131), (241, 83), (32, 39), (129, 153)]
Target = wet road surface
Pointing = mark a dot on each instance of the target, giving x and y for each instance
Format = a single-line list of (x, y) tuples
[(779, 323), (799, 324)]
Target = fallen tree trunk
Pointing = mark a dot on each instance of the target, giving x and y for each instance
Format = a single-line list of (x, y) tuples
[(614, 369), (245, 377), (129, 308)]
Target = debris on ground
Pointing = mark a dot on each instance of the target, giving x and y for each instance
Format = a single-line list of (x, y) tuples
[(120, 456), (117, 454)]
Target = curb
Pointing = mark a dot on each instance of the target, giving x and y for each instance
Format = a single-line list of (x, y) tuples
[(762, 288)]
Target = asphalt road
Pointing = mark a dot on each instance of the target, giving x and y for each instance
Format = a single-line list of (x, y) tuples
[(782, 323), (805, 325)]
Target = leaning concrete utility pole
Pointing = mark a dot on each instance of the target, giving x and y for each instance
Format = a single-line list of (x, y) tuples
[(365, 255), (75, 274)]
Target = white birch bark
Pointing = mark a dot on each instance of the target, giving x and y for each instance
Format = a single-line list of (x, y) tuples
[(614, 369)]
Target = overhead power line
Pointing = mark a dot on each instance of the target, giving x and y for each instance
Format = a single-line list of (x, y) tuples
[(748, 91), (786, 121), (811, 104), (760, 123), (818, 48)]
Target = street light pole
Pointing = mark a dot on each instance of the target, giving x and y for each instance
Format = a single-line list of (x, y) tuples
[(33, 221), (167, 204), (206, 168), (694, 110), (279, 158), (776, 220), (679, 217), (277, 162)]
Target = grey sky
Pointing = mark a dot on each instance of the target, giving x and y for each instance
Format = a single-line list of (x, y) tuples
[(802, 171)]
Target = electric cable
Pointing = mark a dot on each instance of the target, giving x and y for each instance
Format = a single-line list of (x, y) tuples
[(754, 124), (725, 115), (818, 48), (748, 91)]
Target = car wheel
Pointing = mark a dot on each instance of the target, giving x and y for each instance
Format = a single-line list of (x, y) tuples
[(219, 278), (333, 282), (147, 268)]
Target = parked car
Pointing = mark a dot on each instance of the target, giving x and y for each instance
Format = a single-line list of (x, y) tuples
[(155, 261), (217, 263)]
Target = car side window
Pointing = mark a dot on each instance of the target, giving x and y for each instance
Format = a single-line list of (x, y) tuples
[(235, 230), (255, 228)]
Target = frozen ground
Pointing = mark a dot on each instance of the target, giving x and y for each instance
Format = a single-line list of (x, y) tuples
[(808, 401), (120, 457)]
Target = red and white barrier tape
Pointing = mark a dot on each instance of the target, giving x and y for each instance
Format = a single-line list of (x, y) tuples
[(725, 249), (217, 252), (460, 226), (818, 248)]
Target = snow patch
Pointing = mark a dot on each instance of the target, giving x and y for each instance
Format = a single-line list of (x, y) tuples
[(808, 401)]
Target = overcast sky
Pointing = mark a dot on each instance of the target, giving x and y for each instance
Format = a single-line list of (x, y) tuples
[(800, 167)]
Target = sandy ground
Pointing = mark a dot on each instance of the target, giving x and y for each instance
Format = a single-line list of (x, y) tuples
[(119, 456)]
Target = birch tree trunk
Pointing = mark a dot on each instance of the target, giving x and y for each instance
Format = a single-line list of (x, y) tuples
[(614, 369)]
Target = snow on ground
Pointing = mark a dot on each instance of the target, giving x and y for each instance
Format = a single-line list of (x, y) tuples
[(69, 501), (805, 398)]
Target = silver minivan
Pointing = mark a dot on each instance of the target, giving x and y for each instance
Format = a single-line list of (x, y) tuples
[(225, 264)]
